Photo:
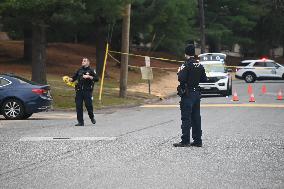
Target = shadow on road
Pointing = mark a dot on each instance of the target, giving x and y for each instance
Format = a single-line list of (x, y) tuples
[(211, 96)]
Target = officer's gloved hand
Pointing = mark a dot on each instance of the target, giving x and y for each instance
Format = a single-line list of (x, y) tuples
[(180, 91)]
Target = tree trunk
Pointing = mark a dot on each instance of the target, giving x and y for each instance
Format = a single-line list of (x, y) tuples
[(39, 54), (100, 52), (28, 45), (214, 45), (76, 38), (218, 45), (1, 25), (125, 49), (202, 25)]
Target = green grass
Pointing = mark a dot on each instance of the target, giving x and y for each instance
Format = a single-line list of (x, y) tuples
[(64, 96)]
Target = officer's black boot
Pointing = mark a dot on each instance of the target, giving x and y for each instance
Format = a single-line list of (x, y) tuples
[(93, 121), (196, 135), (181, 144), (79, 124), (186, 109), (185, 139), (196, 144)]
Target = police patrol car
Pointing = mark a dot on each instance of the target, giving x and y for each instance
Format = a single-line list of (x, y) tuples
[(251, 70), (219, 78)]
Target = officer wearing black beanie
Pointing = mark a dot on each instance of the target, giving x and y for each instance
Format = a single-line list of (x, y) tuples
[(189, 50), (190, 74)]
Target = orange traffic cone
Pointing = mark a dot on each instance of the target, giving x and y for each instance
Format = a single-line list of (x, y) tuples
[(235, 96), (251, 98), (249, 89), (263, 89), (280, 95)]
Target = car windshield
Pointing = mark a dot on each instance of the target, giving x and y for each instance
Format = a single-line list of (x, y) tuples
[(244, 64), (214, 67), (23, 80)]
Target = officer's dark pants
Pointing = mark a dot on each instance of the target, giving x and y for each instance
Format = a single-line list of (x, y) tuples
[(86, 96), (190, 117)]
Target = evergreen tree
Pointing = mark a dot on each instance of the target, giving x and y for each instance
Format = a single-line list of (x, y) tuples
[(33, 17), (166, 25)]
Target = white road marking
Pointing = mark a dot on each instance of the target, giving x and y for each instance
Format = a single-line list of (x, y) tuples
[(54, 116), (24, 139)]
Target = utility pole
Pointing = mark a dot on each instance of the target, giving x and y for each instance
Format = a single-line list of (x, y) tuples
[(202, 25), (0, 24), (125, 49)]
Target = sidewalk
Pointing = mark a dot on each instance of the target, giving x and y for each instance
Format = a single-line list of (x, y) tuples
[(164, 87)]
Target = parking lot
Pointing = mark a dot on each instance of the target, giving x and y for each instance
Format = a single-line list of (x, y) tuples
[(132, 147)]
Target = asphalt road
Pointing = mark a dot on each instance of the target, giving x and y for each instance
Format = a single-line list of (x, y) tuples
[(132, 147)]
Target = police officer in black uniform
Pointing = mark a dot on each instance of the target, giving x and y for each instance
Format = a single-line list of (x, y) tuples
[(190, 74), (84, 89)]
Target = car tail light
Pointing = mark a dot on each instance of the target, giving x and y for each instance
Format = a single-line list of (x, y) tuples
[(39, 91)]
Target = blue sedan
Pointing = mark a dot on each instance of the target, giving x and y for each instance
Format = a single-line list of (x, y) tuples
[(20, 98)]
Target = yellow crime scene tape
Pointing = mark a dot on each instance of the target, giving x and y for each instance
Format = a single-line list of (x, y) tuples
[(172, 60), (108, 53), (143, 56), (138, 67), (67, 82), (66, 79)]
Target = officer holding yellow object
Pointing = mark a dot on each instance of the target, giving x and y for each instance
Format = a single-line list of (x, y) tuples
[(86, 78), (66, 79)]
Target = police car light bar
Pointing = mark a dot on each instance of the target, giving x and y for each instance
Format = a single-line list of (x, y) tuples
[(263, 58)]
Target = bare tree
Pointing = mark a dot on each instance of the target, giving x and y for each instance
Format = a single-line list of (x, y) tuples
[(202, 25)]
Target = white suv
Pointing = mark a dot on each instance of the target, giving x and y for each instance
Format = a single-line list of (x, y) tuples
[(219, 79), (259, 69)]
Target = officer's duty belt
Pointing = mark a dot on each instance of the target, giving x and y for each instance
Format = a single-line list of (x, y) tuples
[(193, 89)]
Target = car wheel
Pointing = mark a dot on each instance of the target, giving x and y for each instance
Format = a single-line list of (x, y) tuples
[(249, 77), (13, 109), (26, 116)]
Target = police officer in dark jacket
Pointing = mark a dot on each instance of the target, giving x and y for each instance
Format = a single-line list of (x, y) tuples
[(84, 89), (190, 74)]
